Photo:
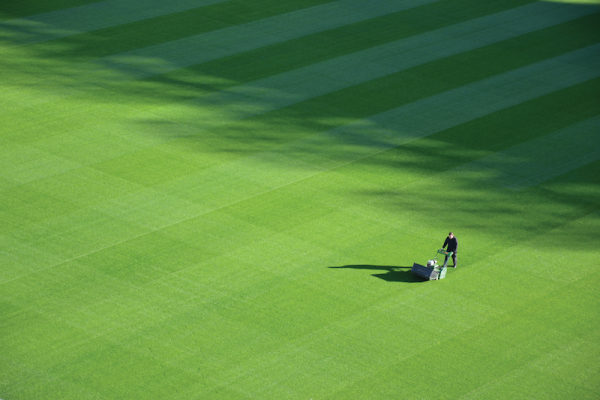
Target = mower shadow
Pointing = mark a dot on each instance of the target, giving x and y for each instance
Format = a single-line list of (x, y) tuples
[(393, 274)]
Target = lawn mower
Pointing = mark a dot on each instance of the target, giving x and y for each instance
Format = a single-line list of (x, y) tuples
[(433, 271)]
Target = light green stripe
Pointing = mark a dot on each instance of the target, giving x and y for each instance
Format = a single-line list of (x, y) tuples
[(90, 17)]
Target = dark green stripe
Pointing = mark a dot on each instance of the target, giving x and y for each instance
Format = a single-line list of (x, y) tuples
[(22, 8)]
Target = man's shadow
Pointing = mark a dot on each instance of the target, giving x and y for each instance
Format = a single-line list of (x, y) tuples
[(393, 274)]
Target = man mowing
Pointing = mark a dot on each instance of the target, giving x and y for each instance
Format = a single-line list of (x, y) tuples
[(452, 244)]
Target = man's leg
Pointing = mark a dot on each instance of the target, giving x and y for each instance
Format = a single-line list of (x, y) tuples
[(454, 259)]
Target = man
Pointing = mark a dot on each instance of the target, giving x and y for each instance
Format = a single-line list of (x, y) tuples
[(452, 244)]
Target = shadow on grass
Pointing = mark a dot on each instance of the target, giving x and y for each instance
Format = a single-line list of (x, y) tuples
[(393, 274)]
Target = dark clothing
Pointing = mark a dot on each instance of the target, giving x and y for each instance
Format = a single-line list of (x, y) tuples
[(453, 259), (453, 247), (451, 243)]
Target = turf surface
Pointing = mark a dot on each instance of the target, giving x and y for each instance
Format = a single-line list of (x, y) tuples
[(222, 199)]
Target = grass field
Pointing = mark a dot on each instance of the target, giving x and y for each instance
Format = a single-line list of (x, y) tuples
[(222, 199)]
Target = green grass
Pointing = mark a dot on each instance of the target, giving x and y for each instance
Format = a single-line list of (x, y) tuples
[(221, 201)]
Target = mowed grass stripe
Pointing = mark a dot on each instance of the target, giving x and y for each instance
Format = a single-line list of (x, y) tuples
[(190, 108), (245, 129), (251, 183), (256, 64), (445, 156), (24, 65), (245, 37), (318, 146), (183, 111), (20, 70), (455, 107), (497, 27), (121, 38), (292, 54), (241, 37), (89, 17), (253, 169), (26, 68), (538, 160), (32, 7), (278, 91)]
